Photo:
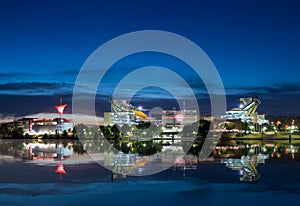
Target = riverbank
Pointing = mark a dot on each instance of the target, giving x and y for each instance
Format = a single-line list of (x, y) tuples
[(259, 136)]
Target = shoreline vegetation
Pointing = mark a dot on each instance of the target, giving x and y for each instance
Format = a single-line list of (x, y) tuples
[(134, 139)]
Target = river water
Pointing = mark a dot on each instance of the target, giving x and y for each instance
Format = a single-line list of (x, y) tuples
[(214, 182)]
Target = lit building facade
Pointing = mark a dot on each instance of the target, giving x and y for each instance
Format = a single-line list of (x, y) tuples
[(174, 120), (40, 126), (169, 120), (247, 112), (119, 118)]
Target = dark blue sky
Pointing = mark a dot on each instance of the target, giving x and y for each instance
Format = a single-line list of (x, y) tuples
[(253, 44)]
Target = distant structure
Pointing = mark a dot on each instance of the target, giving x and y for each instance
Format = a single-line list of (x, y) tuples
[(247, 112), (60, 110), (175, 120), (124, 106), (124, 113), (41, 125), (169, 120), (46, 124)]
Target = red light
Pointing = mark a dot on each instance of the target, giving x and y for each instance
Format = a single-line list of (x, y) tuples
[(60, 170), (179, 117), (43, 119), (60, 108)]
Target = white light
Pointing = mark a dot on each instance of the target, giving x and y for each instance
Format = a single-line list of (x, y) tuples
[(140, 108), (241, 106)]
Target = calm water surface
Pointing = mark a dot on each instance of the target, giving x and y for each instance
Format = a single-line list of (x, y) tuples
[(212, 183)]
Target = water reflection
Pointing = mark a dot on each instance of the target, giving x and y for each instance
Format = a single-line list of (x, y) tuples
[(247, 164), (239, 156), (38, 150), (245, 158)]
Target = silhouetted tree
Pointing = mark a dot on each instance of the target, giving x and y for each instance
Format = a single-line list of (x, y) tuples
[(78, 148), (5, 131), (203, 128), (65, 134), (18, 133)]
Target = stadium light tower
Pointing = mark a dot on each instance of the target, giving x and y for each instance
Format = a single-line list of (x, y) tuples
[(60, 110)]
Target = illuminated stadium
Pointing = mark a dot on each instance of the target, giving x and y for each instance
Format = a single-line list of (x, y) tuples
[(124, 113), (247, 111), (169, 120)]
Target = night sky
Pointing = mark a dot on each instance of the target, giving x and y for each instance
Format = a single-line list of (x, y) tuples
[(255, 46)]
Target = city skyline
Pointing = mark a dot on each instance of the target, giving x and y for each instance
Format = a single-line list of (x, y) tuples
[(254, 46), (124, 101)]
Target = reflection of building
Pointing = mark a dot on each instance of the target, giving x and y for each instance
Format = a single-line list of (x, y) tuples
[(284, 151), (41, 151), (247, 165)]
